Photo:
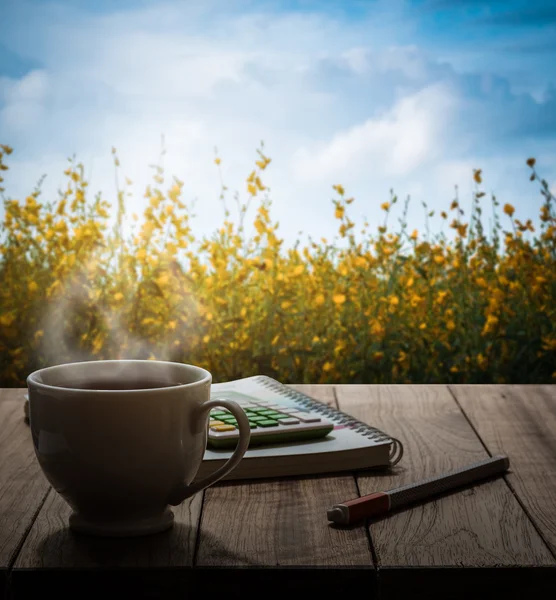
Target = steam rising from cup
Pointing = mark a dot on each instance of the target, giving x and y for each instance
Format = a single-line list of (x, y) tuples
[(80, 324)]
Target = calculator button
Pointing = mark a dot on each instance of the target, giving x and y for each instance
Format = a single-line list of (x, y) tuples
[(268, 413), (257, 419), (223, 428), (289, 411), (306, 417), (267, 423), (289, 421), (217, 413), (213, 423)]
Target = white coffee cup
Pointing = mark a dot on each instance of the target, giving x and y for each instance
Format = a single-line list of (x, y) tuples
[(118, 454)]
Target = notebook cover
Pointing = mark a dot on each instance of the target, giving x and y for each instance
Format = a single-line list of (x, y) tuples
[(352, 445)]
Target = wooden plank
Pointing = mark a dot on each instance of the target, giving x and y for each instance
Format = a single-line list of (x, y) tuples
[(55, 558), (282, 523), (422, 548), (520, 421), (23, 487)]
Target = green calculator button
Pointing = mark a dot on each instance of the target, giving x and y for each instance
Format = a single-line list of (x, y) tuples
[(229, 420), (218, 413), (268, 423), (281, 417), (253, 425), (260, 411), (257, 419), (267, 412)]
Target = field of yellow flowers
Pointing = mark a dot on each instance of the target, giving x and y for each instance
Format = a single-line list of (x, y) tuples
[(380, 307)]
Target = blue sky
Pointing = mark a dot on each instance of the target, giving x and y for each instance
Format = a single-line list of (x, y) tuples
[(409, 95)]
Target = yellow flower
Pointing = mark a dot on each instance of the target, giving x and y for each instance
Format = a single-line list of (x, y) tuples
[(377, 329), (549, 343), (454, 369), (423, 326), (32, 286), (163, 279), (509, 209), (285, 304), (450, 325), (385, 205), (439, 259), (327, 367), (378, 355), (206, 339), (61, 226), (259, 226), (462, 229), (394, 300), (319, 300), (339, 189), (251, 189), (415, 300), (275, 339), (359, 261), (441, 296), (477, 176), (141, 254), (490, 324), (339, 212), (118, 296), (339, 298), (7, 320), (298, 270), (410, 282), (414, 235), (482, 362), (217, 161)]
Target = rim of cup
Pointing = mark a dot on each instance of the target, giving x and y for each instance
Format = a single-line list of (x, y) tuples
[(206, 377)]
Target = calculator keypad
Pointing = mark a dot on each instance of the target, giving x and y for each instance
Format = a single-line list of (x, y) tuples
[(270, 422)]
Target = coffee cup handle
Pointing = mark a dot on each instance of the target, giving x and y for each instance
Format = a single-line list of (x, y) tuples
[(244, 436)]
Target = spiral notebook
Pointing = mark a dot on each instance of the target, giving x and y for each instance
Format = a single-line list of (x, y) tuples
[(351, 446)]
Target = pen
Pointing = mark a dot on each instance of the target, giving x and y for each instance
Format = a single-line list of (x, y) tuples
[(380, 503)]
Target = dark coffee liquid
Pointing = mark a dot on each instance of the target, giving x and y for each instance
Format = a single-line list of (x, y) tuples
[(119, 384)]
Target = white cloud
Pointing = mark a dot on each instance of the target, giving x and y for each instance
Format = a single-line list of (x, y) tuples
[(24, 100), (335, 102), (395, 144)]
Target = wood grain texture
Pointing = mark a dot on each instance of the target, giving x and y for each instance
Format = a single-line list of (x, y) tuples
[(23, 487), (53, 558), (520, 421), (481, 527), (280, 522), (52, 545)]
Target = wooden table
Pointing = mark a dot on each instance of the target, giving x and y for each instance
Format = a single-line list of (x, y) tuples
[(494, 539)]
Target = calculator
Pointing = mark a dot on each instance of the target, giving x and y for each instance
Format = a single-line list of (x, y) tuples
[(271, 422)]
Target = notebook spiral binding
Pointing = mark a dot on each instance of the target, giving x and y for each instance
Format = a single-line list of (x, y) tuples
[(396, 447)]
